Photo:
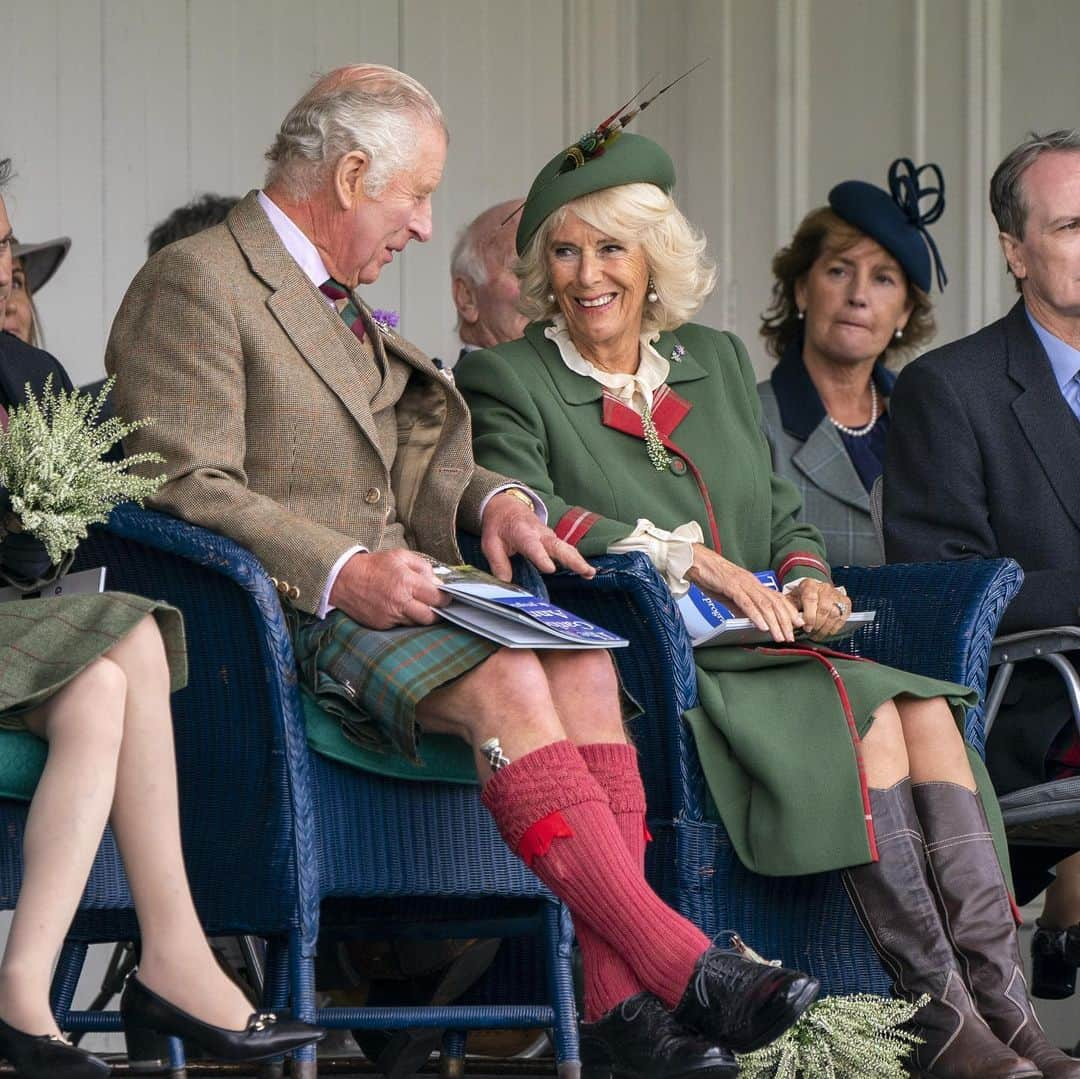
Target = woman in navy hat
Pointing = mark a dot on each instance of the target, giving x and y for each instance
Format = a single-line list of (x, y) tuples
[(641, 430), (851, 291), (32, 267)]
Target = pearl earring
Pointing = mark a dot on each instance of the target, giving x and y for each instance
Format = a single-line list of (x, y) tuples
[(899, 333), (651, 294), (551, 297), (799, 315)]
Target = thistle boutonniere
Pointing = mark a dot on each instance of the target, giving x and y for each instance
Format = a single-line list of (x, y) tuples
[(52, 463)]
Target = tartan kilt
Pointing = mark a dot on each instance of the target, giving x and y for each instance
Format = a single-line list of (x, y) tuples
[(372, 680), (44, 643)]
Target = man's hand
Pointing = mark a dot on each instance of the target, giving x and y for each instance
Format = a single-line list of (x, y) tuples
[(384, 589), (739, 588), (824, 607), (510, 527)]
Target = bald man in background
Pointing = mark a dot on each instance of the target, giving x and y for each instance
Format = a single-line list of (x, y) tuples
[(483, 282)]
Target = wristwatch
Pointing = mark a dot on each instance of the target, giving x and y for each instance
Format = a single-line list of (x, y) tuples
[(520, 495)]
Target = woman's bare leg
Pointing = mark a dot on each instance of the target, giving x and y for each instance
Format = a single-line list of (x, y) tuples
[(884, 753), (935, 746), (83, 724), (1062, 906), (176, 960)]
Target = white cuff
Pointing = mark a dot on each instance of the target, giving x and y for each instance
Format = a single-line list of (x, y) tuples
[(538, 503), (672, 553), (325, 606)]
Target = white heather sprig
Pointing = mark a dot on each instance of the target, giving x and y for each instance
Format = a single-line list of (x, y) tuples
[(52, 464), (850, 1037)]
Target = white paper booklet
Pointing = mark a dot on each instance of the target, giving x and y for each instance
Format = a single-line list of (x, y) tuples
[(512, 616), (710, 622)]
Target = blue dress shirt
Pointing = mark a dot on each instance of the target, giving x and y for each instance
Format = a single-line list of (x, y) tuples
[(1064, 362)]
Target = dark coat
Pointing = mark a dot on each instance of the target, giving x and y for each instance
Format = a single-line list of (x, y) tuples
[(21, 363), (983, 462)]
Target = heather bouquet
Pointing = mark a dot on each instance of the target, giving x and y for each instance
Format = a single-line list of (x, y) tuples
[(54, 467)]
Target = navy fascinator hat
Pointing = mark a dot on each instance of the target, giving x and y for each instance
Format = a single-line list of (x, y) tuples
[(894, 217)]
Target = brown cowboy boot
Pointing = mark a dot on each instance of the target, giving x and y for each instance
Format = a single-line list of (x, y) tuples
[(970, 886), (893, 900)]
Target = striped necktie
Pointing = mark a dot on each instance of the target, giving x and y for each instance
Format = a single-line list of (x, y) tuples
[(344, 305)]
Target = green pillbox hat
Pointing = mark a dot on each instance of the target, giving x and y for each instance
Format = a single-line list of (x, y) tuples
[(628, 159)]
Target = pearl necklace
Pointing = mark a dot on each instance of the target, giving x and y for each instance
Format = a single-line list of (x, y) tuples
[(859, 432)]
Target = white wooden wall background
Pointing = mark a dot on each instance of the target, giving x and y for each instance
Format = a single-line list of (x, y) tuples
[(116, 111)]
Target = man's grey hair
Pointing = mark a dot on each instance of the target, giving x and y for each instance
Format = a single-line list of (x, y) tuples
[(467, 257), (368, 107), (6, 170), (1007, 202)]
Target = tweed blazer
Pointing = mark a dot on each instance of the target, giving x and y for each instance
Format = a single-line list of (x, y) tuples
[(808, 450), (279, 427)]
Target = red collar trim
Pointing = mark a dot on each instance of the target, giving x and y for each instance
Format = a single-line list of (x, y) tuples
[(669, 410)]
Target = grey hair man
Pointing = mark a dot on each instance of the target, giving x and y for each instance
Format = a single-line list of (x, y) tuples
[(483, 281), (984, 448), (338, 454)]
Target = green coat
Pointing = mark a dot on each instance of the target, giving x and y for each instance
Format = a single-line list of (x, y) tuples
[(780, 750)]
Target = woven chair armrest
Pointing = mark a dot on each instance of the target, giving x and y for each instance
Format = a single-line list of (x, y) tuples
[(524, 572), (934, 618)]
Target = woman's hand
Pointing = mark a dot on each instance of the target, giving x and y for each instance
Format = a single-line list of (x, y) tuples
[(824, 607), (740, 589)]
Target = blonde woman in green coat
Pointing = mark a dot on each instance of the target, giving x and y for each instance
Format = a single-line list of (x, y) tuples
[(642, 431)]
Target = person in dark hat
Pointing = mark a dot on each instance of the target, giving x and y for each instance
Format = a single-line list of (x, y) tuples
[(33, 265), (641, 431), (851, 292)]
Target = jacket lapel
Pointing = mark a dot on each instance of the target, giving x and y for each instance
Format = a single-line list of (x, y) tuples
[(1046, 420), (347, 365), (823, 459)]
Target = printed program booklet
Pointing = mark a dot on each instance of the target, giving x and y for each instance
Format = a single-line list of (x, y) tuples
[(85, 582), (512, 616), (710, 622)]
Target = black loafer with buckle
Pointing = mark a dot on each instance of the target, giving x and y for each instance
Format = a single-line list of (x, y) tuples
[(641, 1039), (147, 1016), (41, 1056)]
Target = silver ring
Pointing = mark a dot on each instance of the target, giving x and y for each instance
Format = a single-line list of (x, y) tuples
[(839, 607)]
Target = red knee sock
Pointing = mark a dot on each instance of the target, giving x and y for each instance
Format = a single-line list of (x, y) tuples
[(608, 979), (556, 816)]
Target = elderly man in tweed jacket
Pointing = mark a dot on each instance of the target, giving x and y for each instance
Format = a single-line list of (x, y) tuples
[(294, 423)]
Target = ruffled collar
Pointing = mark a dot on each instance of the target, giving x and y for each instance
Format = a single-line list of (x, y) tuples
[(635, 389)]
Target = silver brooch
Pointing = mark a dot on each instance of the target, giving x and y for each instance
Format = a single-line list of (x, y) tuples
[(677, 353)]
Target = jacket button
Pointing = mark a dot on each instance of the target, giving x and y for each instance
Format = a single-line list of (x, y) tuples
[(372, 495), (294, 592), (273, 581), (283, 587), (677, 465)]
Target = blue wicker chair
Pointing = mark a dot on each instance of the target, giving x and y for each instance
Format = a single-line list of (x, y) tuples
[(935, 619), (272, 830)]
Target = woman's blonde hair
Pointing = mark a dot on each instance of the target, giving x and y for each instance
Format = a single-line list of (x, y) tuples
[(674, 250), (820, 231)]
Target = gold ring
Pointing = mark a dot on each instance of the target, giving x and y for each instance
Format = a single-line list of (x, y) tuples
[(839, 607)]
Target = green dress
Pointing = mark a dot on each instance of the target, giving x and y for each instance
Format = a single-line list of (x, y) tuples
[(45, 643), (778, 730)]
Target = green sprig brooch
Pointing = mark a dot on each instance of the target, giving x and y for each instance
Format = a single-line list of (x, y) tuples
[(52, 463)]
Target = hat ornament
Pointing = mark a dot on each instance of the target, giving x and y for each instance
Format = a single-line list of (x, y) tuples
[(908, 193), (594, 143)]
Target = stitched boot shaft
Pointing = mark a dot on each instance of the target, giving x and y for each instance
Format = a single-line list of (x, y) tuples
[(893, 900), (970, 887)]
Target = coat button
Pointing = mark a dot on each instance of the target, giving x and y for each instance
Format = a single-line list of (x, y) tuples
[(273, 581), (283, 587), (372, 495), (677, 465), (294, 592)]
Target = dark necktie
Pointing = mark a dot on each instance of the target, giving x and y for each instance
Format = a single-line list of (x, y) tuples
[(344, 305)]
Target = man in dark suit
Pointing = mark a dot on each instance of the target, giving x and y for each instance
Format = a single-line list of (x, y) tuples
[(983, 459), (483, 282)]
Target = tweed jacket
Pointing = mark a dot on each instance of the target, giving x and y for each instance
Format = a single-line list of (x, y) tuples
[(982, 462), (808, 450), (279, 427)]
